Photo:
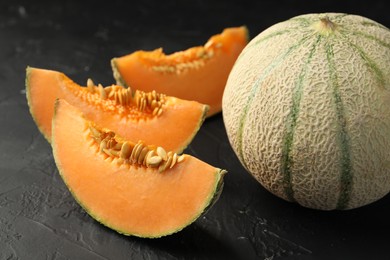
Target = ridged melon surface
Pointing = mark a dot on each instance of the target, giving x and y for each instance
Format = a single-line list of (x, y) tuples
[(307, 110)]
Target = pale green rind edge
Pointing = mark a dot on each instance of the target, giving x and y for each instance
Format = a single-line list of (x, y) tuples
[(117, 75), (205, 110)]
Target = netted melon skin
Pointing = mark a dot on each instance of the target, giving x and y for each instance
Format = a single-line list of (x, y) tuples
[(307, 110)]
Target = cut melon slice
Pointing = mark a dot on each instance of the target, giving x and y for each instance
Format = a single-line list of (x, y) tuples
[(133, 188), (199, 73), (152, 117)]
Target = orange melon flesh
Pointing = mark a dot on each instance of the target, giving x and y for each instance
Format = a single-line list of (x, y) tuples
[(199, 73), (173, 129), (42, 89), (133, 200)]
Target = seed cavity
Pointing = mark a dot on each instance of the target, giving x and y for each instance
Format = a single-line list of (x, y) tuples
[(147, 102), (125, 152), (194, 60), (152, 101)]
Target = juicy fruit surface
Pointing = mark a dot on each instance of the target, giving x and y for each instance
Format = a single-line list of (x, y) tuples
[(306, 109), (198, 73), (128, 113), (124, 195), (41, 92)]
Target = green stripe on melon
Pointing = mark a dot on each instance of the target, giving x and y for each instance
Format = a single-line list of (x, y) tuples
[(307, 110), (346, 175), (292, 121)]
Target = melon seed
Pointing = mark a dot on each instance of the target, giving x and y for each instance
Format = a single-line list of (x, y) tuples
[(125, 150), (116, 99), (114, 152), (174, 160), (111, 152), (90, 85), (159, 111), (180, 158), (136, 151), (128, 95), (154, 104), (149, 97), (149, 154), (120, 97), (142, 154), (154, 95), (165, 165), (155, 111), (95, 133), (111, 93), (108, 91), (153, 161), (103, 145), (111, 143), (123, 94), (102, 92), (162, 153)]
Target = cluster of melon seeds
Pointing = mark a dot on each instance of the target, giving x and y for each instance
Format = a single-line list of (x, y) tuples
[(139, 153), (152, 100), (194, 58), (149, 102)]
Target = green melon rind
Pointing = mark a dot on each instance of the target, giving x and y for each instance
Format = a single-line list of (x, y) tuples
[(209, 202), (117, 75), (196, 130)]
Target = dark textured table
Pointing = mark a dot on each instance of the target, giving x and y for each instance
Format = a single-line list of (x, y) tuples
[(39, 219)]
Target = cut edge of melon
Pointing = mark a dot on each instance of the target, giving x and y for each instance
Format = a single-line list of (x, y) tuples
[(208, 203), (116, 74)]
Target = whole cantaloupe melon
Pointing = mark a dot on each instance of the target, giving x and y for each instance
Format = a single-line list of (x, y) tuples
[(307, 110)]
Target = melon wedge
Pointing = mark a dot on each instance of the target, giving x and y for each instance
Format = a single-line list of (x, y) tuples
[(198, 73), (123, 190), (152, 117)]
